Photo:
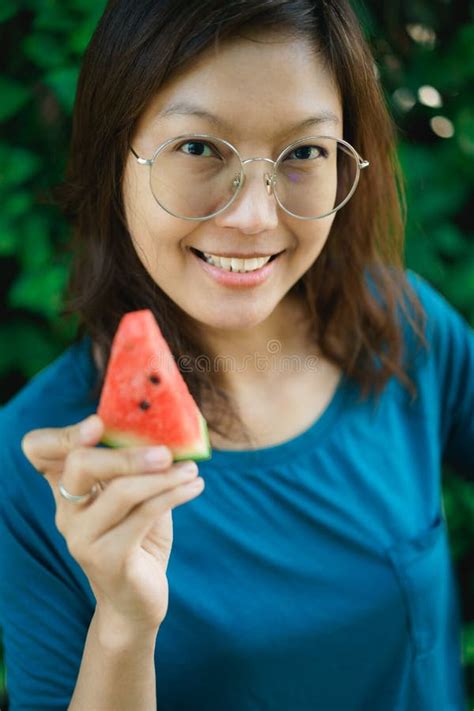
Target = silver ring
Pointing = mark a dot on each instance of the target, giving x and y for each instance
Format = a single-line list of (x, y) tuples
[(79, 498)]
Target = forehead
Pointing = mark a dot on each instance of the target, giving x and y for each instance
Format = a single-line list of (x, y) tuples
[(248, 85)]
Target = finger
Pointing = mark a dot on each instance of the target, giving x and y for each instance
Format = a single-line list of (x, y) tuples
[(130, 533), (84, 466), (52, 444), (123, 495)]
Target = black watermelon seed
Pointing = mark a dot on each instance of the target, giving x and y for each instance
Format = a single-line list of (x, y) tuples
[(144, 405), (155, 379)]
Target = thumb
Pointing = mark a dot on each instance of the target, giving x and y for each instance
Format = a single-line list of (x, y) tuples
[(47, 448)]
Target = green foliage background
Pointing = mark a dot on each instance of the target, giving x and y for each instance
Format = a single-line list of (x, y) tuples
[(43, 41)]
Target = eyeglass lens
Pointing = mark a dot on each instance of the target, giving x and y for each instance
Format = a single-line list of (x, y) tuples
[(197, 177)]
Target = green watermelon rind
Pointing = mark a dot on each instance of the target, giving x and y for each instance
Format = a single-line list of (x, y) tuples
[(201, 452)]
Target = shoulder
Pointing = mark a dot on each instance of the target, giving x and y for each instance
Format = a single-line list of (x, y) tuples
[(434, 302), (450, 372), (447, 330), (437, 340), (443, 328)]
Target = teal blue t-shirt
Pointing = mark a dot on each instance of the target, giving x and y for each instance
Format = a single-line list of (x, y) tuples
[(314, 575)]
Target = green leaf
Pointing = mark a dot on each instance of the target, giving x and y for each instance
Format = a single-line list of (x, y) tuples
[(34, 246), (89, 8), (14, 97), (461, 56), (465, 131), (448, 240), (7, 239), (53, 15), (17, 204), (459, 288), (44, 50), (16, 165), (40, 290), (29, 348), (8, 9), (431, 196), (422, 258), (468, 643), (79, 39), (63, 83)]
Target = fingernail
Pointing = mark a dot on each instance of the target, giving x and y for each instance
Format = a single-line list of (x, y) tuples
[(190, 467), (156, 456), (89, 428), (197, 484)]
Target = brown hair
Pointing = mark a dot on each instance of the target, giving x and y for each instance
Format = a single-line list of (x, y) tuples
[(357, 285)]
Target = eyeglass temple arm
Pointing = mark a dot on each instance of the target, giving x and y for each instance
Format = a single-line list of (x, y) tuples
[(360, 161), (142, 161)]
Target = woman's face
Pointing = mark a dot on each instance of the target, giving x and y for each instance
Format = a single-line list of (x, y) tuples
[(257, 92)]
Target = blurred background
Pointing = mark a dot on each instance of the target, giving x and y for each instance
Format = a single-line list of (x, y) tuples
[(424, 57)]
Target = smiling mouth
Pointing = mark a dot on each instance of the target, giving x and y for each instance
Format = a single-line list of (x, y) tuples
[(235, 264)]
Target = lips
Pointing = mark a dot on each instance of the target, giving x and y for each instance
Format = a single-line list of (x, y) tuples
[(237, 279)]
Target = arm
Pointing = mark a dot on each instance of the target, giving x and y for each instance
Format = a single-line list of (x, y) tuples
[(452, 360), (117, 668), (61, 653), (63, 647)]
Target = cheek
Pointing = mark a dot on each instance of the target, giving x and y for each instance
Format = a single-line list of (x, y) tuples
[(158, 248), (313, 237), (155, 234)]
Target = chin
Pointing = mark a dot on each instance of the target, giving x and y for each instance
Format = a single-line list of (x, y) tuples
[(233, 318)]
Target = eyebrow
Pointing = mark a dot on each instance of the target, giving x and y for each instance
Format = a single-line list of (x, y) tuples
[(183, 108)]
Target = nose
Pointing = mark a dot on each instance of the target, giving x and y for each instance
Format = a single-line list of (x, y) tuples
[(254, 209)]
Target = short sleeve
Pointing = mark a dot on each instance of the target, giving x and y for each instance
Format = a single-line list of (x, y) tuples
[(451, 357), (45, 610)]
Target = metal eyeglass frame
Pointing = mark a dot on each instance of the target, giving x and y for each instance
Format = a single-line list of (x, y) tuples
[(269, 178)]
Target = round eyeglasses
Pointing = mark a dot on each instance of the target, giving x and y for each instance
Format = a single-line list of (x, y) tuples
[(196, 176)]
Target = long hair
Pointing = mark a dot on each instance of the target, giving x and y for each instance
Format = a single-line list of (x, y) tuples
[(355, 291)]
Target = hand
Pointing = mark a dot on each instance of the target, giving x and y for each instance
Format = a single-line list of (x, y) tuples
[(122, 538)]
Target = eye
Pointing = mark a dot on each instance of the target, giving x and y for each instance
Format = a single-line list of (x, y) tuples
[(308, 152), (198, 148)]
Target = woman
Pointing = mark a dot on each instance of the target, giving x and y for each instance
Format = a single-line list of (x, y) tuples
[(313, 570)]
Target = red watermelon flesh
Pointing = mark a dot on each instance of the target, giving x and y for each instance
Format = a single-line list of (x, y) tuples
[(144, 399)]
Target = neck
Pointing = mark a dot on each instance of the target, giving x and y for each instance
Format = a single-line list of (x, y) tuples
[(259, 352)]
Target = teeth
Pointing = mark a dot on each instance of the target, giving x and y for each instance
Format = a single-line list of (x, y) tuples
[(236, 265)]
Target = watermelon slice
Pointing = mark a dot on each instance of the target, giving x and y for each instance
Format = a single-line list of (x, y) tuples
[(144, 399)]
